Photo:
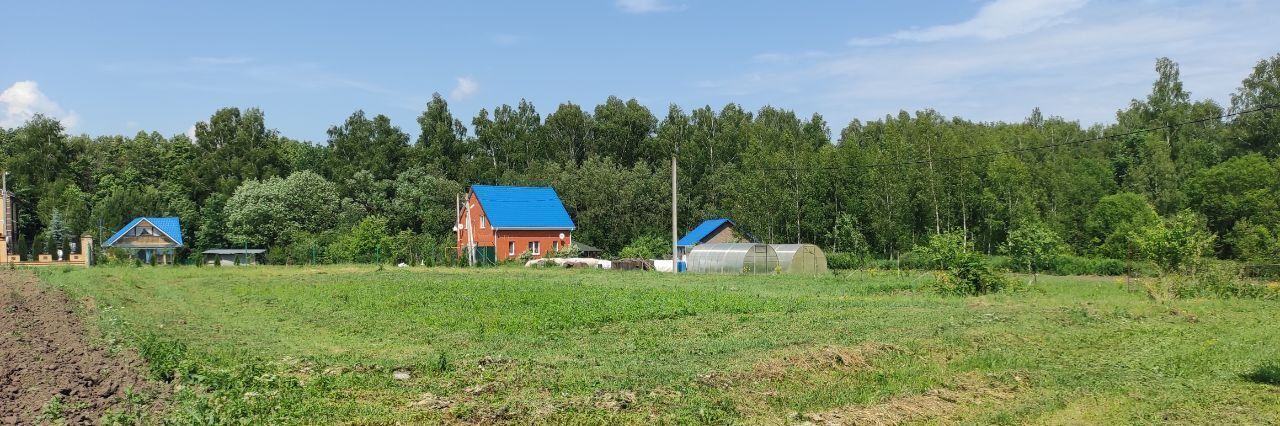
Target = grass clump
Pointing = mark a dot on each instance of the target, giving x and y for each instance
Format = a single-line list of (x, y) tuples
[(1267, 374)]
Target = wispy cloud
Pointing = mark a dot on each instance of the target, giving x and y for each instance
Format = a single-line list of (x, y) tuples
[(464, 89), (1083, 65), (996, 20), (24, 100), (647, 6)]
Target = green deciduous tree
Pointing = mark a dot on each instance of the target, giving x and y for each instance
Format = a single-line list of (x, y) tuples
[(1035, 247), (1176, 243), (1113, 220), (267, 212)]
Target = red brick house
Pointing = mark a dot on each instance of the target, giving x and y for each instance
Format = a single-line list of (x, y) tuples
[(498, 223)]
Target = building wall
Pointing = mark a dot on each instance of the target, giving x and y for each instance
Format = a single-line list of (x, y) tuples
[(723, 235), (483, 234), (500, 240), (549, 241)]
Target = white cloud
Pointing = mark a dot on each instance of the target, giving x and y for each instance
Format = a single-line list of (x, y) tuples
[(24, 100), (465, 88), (996, 20), (1085, 67), (647, 6), (191, 133)]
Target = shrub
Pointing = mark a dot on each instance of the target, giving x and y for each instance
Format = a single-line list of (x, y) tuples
[(967, 273), (1034, 247), (1114, 219), (970, 276), (1226, 279), (845, 260), (647, 247), (1077, 265), (945, 250), (365, 242), (1176, 243)]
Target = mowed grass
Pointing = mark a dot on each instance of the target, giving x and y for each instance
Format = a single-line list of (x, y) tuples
[(321, 344)]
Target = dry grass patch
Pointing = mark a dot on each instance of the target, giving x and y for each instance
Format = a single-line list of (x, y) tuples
[(793, 362), (967, 392)]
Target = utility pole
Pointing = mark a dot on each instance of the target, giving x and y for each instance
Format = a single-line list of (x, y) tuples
[(471, 234), (4, 212), (675, 248)]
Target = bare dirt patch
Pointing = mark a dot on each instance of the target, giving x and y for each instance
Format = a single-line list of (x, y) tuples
[(49, 370), (933, 404)]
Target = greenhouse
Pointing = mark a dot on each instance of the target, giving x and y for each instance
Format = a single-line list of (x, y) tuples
[(732, 258), (801, 258)]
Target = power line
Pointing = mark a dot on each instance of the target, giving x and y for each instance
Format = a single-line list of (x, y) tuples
[(1025, 149)]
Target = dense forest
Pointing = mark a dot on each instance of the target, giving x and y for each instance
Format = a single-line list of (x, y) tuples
[(876, 188)]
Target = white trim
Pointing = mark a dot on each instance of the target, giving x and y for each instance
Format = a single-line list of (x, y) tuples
[(153, 226)]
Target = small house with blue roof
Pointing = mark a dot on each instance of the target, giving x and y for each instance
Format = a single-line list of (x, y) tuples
[(711, 231), (497, 223), (149, 238)]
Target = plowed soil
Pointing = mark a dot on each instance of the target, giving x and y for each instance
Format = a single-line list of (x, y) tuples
[(46, 355)]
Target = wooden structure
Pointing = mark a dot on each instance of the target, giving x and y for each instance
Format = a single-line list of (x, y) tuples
[(149, 239), (498, 223)]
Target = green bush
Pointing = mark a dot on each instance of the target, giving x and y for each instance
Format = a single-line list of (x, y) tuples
[(1077, 265), (647, 247), (970, 276), (1034, 247), (845, 261), (967, 272), (367, 242), (1227, 279)]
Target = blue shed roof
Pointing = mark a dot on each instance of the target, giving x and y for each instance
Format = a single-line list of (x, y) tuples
[(701, 232), (167, 225), (523, 207)]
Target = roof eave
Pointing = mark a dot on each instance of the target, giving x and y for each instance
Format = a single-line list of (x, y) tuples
[(534, 228)]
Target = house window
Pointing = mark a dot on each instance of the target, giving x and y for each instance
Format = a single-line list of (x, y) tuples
[(481, 221), (555, 246), (511, 248), (535, 247)]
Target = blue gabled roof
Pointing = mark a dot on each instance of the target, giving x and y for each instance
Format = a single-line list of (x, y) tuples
[(523, 207), (701, 232), (167, 225)]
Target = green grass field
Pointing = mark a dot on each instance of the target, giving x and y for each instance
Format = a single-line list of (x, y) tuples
[(321, 345)]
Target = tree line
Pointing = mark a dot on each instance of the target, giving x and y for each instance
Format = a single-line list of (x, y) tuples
[(875, 188)]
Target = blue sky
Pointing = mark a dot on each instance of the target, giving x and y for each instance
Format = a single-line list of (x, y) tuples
[(120, 67)]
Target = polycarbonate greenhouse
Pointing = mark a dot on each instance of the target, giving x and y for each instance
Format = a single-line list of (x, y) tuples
[(732, 258), (801, 258)]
